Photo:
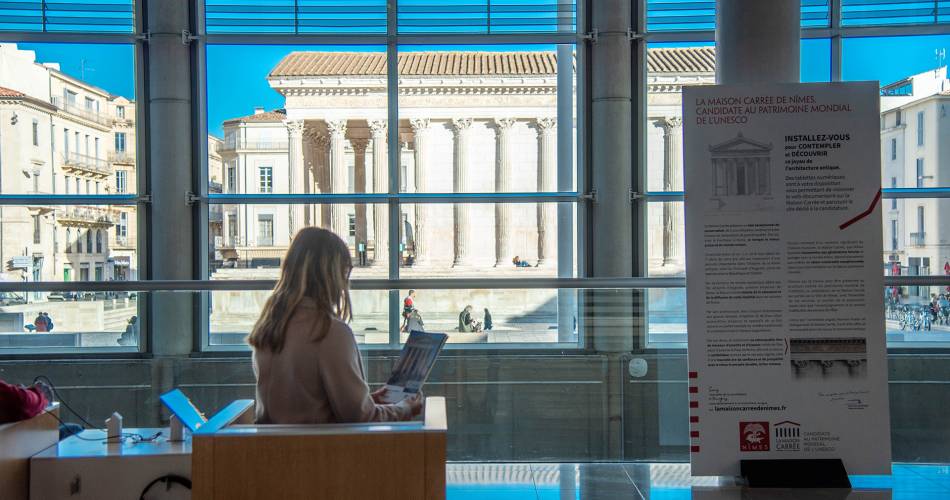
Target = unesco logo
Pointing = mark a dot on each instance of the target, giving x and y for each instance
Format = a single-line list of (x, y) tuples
[(788, 436), (754, 436)]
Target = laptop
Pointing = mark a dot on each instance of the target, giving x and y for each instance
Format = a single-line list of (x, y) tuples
[(189, 415), (414, 365)]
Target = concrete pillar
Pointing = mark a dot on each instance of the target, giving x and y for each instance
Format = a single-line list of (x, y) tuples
[(503, 252), (421, 129), (380, 185), (611, 249), (170, 136), (610, 316), (462, 212), (296, 175), (547, 183), (758, 42), (359, 178), (338, 181), (672, 181)]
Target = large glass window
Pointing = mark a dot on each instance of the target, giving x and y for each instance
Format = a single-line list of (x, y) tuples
[(474, 122), (69, 91), (913, 78)]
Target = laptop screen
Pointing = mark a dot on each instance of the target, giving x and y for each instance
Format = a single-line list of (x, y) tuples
[(182, 407)]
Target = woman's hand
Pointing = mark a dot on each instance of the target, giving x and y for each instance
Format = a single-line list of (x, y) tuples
[(378, 395), (415, 403)]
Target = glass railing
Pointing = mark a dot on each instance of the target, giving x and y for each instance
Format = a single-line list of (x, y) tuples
[(557, 370), (624, 314)]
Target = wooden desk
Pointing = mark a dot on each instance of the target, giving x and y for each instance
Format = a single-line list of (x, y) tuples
[(18, 442), (381, 461)]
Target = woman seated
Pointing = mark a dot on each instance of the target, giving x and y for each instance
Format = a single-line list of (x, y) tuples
[(518, 262), (305, 357)]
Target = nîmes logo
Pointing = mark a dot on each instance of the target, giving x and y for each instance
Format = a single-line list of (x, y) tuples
[(753, 436)]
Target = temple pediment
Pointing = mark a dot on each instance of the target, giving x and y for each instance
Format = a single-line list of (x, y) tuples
[(741, 145)]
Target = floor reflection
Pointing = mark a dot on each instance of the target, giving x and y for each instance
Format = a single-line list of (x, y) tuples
[(642, 481)]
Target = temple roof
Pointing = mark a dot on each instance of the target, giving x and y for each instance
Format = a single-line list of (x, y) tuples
[(463, 63), (262, 117)]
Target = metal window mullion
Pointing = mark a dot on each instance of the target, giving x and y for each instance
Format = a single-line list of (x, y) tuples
[(202, 340), (66, 37), (143, 184), (290, 39), (190, 286), (393, 157), (638, 76), (836, 42), (441, 198)]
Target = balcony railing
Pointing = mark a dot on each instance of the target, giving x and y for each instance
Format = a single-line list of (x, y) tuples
[(88, 114), (85, 216), (253, 145), (88, 163), (215, 213), (121, 157), (917, 239)]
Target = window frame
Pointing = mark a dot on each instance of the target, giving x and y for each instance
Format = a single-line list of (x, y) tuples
[(641, 36), (71, 145), (395, 198)]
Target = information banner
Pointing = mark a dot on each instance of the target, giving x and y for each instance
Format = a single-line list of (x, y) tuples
[(787, 353)]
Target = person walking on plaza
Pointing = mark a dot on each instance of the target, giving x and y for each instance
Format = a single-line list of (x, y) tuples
[(408, 306), (49, 321), (486, 321)]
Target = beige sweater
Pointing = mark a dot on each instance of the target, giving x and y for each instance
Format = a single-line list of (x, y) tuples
[(317, 382)]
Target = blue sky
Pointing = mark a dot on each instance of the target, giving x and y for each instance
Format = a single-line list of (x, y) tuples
[(237, 74)]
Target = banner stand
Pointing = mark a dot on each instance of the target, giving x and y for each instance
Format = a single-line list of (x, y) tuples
[(795, 473)]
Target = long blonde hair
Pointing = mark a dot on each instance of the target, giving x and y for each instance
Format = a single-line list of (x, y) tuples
[(316, 270)]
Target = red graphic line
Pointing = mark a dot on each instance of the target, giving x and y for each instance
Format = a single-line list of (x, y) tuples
[(863, 214), (694, 419), (694, 449), (693, 374), (694, 404), (694, 434), (693, 390)]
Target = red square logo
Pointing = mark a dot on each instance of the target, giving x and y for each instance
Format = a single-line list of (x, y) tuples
[(753, 436)]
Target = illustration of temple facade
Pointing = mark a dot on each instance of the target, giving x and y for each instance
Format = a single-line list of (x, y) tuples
[(741, 167)]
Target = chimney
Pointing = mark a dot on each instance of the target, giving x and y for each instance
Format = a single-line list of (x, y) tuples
[(258, 110)]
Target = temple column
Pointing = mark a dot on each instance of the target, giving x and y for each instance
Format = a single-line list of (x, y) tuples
[(503, 253), (321, 184), (359, 179), (380, 185), (338, 222), (296, 174), (672, 181), (420, 129), (316, 147), (462, 229), (547, 183)]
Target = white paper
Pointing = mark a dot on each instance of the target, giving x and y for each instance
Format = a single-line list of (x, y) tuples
[(787, 354)]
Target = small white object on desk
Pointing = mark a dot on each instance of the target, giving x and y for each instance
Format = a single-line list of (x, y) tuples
[(114, 428), (176, 430)]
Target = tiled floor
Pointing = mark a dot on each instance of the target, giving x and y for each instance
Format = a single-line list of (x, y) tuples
[(669, 482)]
